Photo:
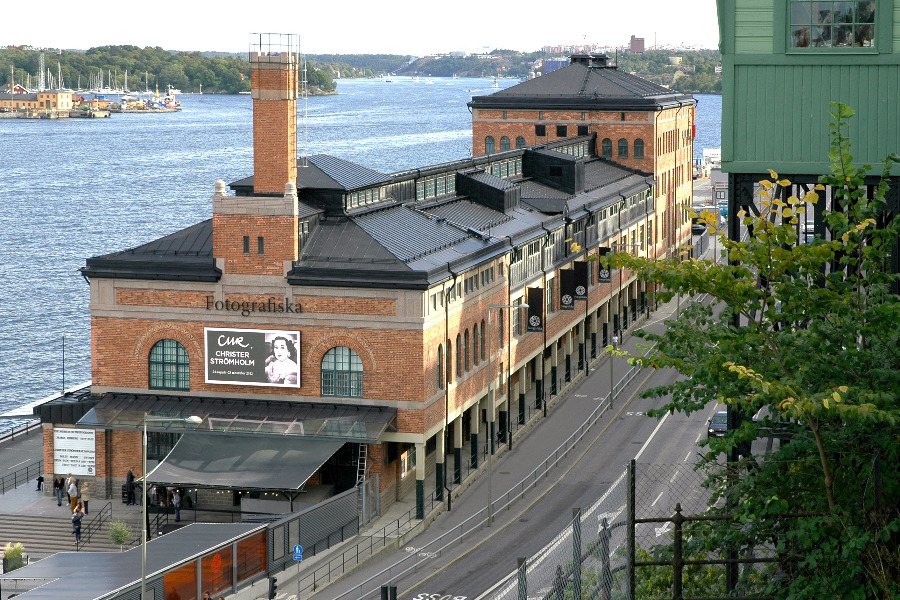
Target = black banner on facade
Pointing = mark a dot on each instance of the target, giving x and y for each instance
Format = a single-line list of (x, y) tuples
[(604, 270), (535, 309), (581, 280), (566, 289)]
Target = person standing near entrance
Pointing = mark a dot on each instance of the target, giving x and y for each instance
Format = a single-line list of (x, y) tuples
[(68, 483), (73, 494), (129, 487), (85, 495), (58, 485), (77, 516), (176, 502)]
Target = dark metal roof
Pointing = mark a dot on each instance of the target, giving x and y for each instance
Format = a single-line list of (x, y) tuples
[(469, 214), (491, 180), (317, 420), (324, 172), (346, 174), (184, 255), (93, 575), (409, 234), (581, 86)]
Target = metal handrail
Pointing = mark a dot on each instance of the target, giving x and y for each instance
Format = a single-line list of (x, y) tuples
[(24, 429), (21, 476), (94, 525)]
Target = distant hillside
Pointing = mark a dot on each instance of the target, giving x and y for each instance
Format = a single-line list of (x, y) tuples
[(224, 72), (147, 68)]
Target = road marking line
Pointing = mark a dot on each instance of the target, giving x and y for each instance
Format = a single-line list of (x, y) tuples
[(674, 476), (658, 497), (699, 435), (16, 465), (687, 457), (647, 443)]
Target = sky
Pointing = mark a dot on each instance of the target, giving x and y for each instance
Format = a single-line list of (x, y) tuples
[(413, 27)]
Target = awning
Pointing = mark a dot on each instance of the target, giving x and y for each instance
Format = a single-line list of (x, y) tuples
[(282, 418), (242, 461)]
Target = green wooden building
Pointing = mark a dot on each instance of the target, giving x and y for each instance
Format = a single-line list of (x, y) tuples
[(783, 62)]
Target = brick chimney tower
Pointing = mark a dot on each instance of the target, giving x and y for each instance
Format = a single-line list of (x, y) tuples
[(258, 234), (274, 87)]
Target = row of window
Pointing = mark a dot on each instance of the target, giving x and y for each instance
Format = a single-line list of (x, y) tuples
[(606, 148), (341, 370), (470, 284), (469, 354), (363, 197), (435, 185), (838, 24)]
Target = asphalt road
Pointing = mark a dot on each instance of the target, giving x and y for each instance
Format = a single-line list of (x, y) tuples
[(465, 570)]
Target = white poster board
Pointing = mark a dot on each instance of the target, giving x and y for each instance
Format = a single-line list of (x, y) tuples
[(74, 451)]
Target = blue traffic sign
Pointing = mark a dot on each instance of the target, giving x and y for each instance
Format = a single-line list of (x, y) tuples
[(298, 557), (298, 549)]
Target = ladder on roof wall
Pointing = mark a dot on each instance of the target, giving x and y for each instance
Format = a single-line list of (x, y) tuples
[(362, 464)]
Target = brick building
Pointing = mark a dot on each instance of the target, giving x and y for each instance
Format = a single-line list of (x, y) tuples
[(636, 123), (338, 319)]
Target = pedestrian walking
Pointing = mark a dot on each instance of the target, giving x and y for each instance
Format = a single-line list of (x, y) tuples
[(77, 516), (58, 485), (85, 492), (176, 503), (129, 487), (615, 341), (73, 494)]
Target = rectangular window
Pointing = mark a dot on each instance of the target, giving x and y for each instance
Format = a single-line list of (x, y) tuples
[(562, 131), (540, 130), (246, 244), (832, 24), (504, 115), (550, 306), (260, 245), (582, 130), (540, 115)]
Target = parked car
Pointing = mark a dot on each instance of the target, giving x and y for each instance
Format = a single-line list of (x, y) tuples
[(717, 425)]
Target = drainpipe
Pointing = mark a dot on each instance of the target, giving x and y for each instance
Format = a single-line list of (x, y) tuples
[(442, 477), (546, 321)]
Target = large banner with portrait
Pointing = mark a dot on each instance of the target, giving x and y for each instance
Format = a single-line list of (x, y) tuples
[(253, 357)]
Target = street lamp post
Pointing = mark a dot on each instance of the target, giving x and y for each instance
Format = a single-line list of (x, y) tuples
[(491, 307), (193, 420), (613, 334)]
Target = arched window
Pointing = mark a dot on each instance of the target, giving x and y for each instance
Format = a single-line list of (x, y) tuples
[(475, 344), (440, 367), (606, 148), (449, 362), (623, 148), (483, 351), (520, 142), (489, 145), (466, 348), (342, 373), (459, 358), (504, 143), (169, 366), (639, 148)]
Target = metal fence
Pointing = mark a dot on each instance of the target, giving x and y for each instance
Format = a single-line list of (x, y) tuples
[(21, 476), (633, 542)]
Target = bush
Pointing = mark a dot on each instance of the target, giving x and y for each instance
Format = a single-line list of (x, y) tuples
[(119, 533), (14, 556)]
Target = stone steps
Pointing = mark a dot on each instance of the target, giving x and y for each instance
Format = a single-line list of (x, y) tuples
[(45, 535)]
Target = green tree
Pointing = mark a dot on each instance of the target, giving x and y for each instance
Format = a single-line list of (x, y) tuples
[(806, 335)]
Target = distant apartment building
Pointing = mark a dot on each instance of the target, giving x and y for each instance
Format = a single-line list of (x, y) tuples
[(45, 100), (636, 45)]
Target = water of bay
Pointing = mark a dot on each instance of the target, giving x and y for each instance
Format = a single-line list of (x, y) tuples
[(72, 189)]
